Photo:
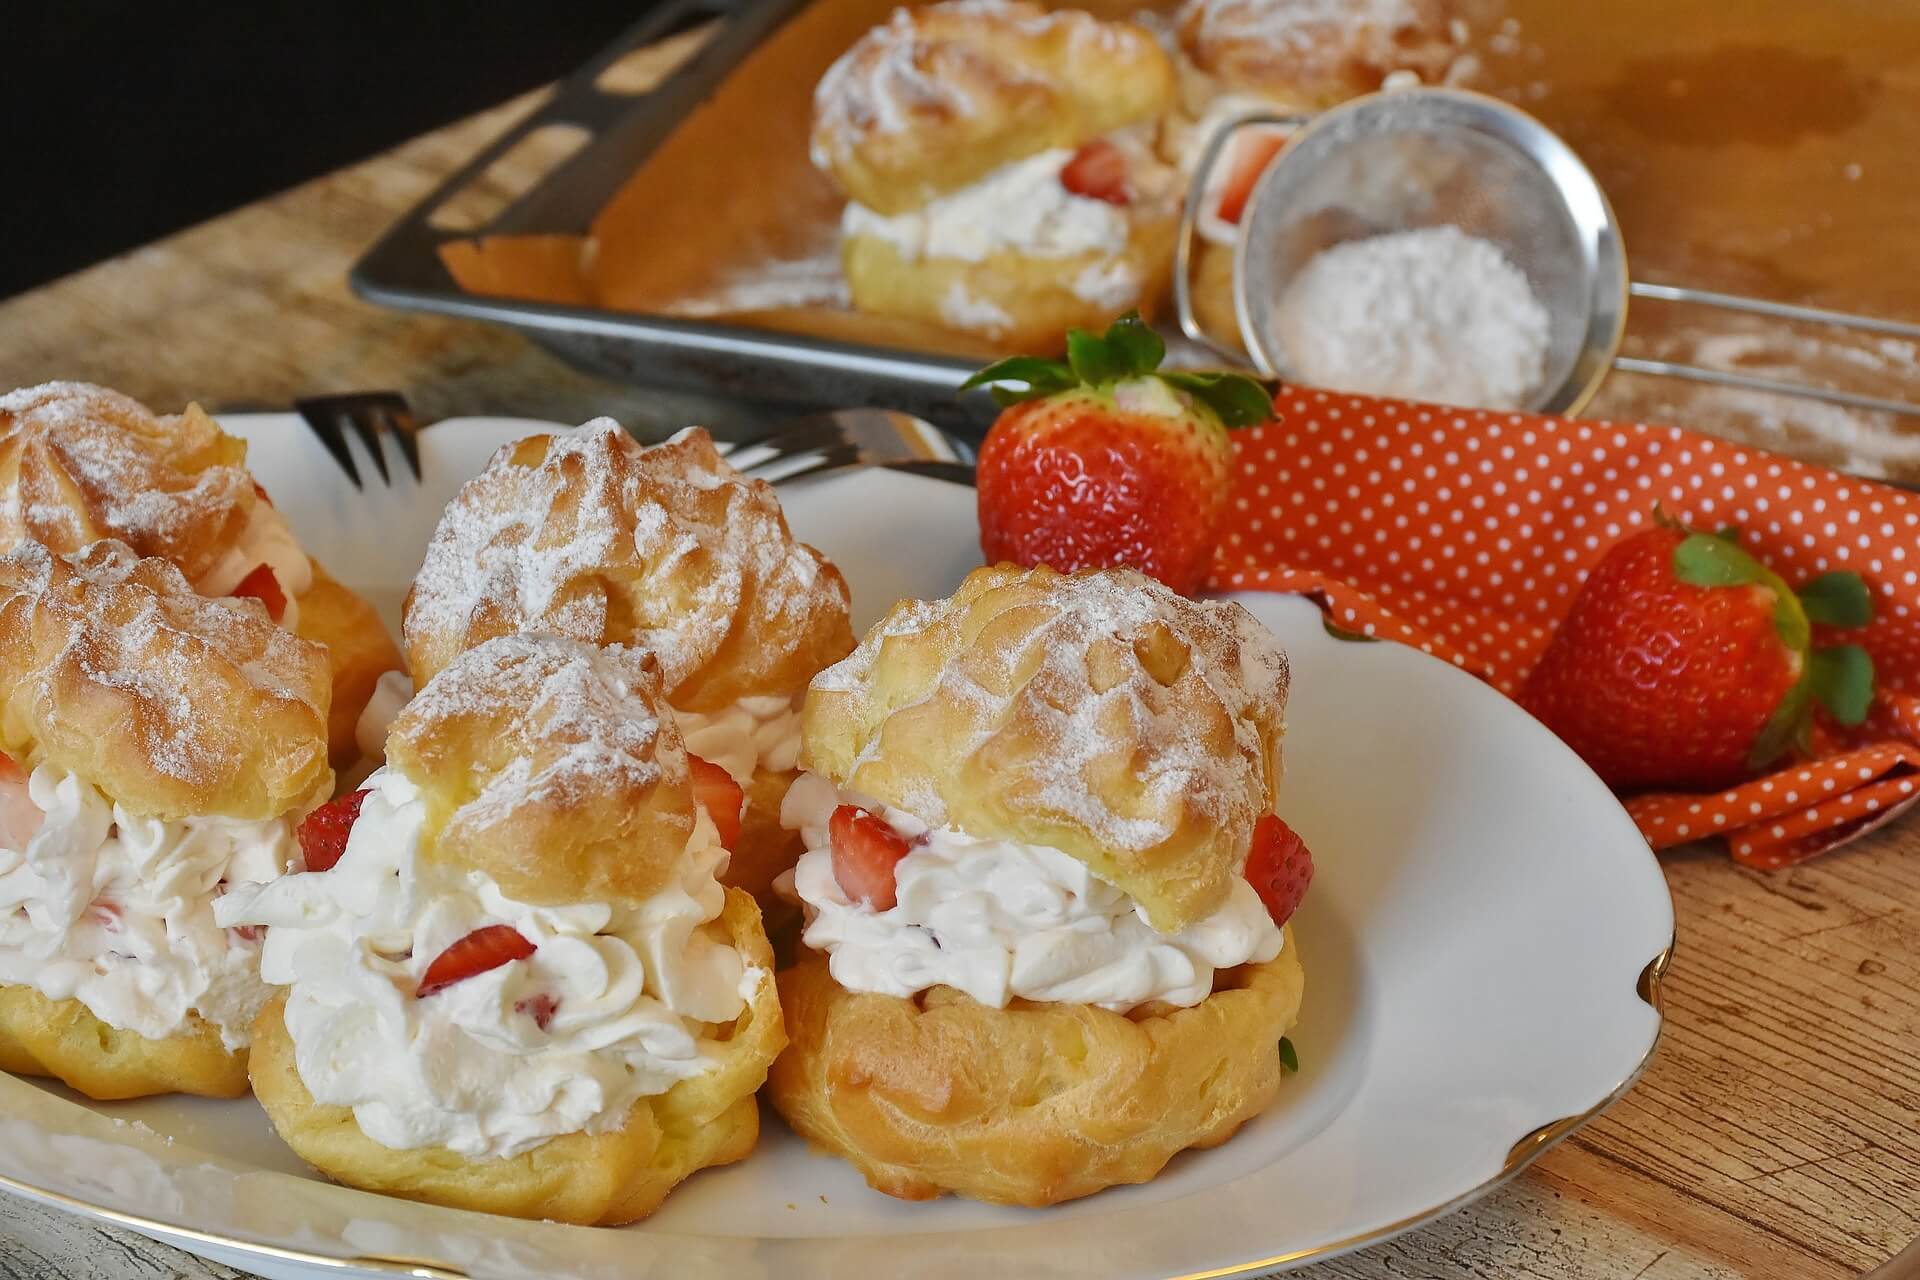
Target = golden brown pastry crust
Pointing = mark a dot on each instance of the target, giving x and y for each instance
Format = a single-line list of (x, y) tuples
[(79, 463), (1099, 713), (359, 651), (553, 766), (63, 1039), (1304, 54), (940, 96), (591, 1179), (1037, 299), (594, 537), (764, 848), (1032, 1104), (172, 704)]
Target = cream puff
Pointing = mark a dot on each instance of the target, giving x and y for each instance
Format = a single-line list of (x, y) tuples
[(1283, 57), (592, 536), (998, 163), (1036, 962), (79, 463), (512, 981), (159, 749)]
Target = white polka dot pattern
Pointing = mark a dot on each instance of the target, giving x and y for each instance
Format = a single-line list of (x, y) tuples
[(1466, 532)]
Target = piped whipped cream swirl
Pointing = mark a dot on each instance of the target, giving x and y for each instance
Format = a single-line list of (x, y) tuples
[(117, 909), (998, 920), (1020, 207), (615, 1003), (753, 733)]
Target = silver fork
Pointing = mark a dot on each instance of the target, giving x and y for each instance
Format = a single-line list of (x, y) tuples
[(846, 439), (373, 416)]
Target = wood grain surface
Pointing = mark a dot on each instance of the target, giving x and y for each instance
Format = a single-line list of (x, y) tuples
[(1776, 1133)]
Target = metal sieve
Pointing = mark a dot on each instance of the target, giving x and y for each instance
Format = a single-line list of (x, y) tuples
[(1411, 158)]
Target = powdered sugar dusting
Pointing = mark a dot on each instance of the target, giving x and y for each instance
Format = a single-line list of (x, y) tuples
[(136, 628), (591, 711), (90, 463), (1086, 692), (588, 535)]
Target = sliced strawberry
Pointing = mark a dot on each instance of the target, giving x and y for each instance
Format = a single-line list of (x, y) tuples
[(20, 817), (251, 932), (1251, 153), (715, 791), (264, 587), (323, 836), (481, 950), (865, 852), (1279, 867), (260, 492), (1098, 171), (540, 1008)]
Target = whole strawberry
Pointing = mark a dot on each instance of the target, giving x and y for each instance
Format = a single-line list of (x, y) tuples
[(1685, 663), (1106, 460)]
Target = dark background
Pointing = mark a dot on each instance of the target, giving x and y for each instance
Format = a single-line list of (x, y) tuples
[(121, 122)]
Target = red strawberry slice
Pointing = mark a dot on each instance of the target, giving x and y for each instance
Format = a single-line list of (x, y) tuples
[(540, 1008), (715, 791), (865, 852), (1279, 867), (479, 951), (264, 587), (323, 836), (10, 770), (260, 492), (1098, 171), (1250, 155)]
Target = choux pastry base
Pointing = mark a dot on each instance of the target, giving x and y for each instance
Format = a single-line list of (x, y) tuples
[(63, 1039), (1029, 1105), (602, 1179)]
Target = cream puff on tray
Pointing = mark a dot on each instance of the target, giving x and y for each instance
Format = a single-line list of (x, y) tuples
[(999, 169), (1036, 962), (79, 463), (511, 980), (159, 749), (590, 535)]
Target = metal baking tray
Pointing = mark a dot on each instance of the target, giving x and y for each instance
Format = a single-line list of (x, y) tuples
[(404, 268)]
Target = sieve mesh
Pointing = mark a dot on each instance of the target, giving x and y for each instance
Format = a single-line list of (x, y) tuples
[(1423, 158)]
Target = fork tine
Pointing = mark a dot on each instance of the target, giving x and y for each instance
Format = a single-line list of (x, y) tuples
[(785, 444), (364, 419), (320, 416), (827, 460), (406, 434)]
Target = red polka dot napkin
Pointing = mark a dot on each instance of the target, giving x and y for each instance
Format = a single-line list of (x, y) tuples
[(1467, 532)]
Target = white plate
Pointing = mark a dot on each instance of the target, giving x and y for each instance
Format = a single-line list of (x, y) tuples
[(1483, 941)]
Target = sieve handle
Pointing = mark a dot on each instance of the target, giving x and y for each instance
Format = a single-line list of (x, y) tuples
[(1190, 220), (1778, 310), (1748, 382)]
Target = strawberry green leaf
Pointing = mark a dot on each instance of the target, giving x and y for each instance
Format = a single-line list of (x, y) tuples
[(1095, 361), (1785, 727), (1237, 400), (1728, 533), (1288, 1057), (1842, 679), (1041, 377), (1707, 560), (1838, 599), (1139, 347)]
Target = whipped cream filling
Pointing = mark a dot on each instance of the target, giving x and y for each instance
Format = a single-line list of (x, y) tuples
[(1020, 207), (392, 691), (266, 540), (753, 733), (997, 919), (625, 994), (117, 910)]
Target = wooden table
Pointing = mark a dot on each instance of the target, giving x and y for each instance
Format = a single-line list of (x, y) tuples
[(1776, 1134)]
